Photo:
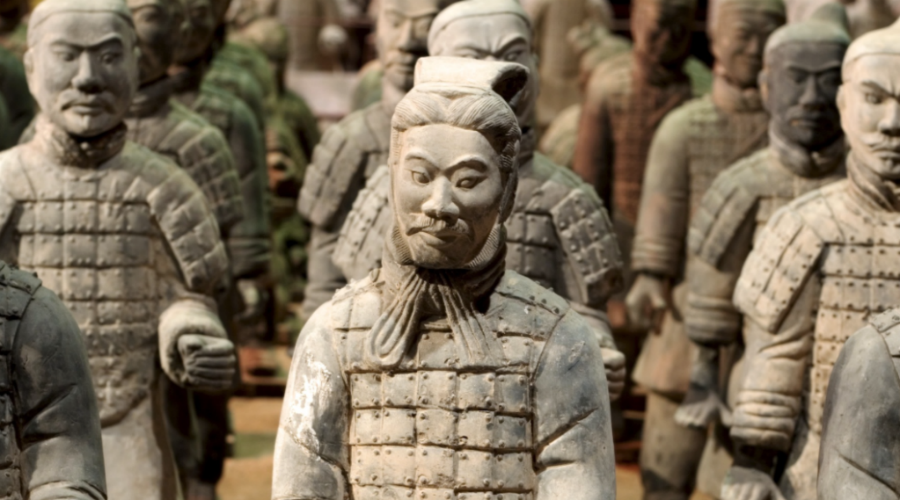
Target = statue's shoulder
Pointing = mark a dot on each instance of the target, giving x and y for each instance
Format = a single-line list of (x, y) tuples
[(17, 289), (357, 305), (522, 307)]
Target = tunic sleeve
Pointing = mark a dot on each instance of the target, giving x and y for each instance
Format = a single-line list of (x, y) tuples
[(311, 454), (573, 434), (62, 452)]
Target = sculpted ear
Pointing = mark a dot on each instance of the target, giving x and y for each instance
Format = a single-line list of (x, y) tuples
[(763, 83), (510, 82)]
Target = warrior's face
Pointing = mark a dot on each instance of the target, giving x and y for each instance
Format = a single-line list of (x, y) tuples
[(662, 31), (159, 25), (498, 37), (402, 37), (870, 112), (201, 29), (800, 84), (82, 69), (447, 188), (739, 39)]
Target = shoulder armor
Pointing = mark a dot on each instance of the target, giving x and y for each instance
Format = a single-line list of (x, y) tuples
[(357, 305), (17, 287), (337, 162), (590, 244), (529, 309), (212, 103), (887, 324), (725, 206), (185, 220), (778, 267), (361, 241)]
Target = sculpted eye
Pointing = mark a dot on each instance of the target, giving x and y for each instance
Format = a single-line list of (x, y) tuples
[(419, 177), (65, 55), (512, 56), (873, 98), (468, 182)]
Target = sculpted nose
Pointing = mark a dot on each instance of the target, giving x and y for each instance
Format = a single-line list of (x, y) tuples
[(87, 79), (890, 123), (440, 204)]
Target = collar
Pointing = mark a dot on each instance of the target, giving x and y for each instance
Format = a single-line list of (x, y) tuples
[(807, 163), (188, 77), (870, 188), (732, 98), (72, 151), (151, 97)]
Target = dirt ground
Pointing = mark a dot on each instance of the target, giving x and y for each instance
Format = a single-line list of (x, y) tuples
[(248, 476)]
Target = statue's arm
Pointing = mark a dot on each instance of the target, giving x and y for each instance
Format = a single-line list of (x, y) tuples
[(665, 200), (860, 444), (311, 461), (62, 452), (573, 434), (594, 146)]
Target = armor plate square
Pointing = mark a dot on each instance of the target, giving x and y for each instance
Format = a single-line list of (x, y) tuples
[(476, 390), (48, 217), (399, 389), (517, 351), (514, 471), (437, 350), (366, 427), (437, 389), (512, 393), (367, 493), (886, 295), (128, 283), (123, 250), (354, 349), (79, 284), (368, 466), (540, 230), (474, 469), (80, 216), (365, 390), (476, 429), (436, 467), (47, 250), (436, 427), (399, 426), (511, 432), (137, 219), (401, 468), (80, 250), (887, 262)]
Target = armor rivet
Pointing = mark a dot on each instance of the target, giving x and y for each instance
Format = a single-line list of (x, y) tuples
[(520, 444), (387, 413), (423, 417), (411, 377), (356, 402), (410, 453), (487, 482), (463, 376), (409, 493), (450, 376), (424, 453), (487, 442)]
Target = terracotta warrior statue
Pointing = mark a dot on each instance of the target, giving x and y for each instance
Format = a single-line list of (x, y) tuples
[(798, 86), (352, 149), (442, 374), (623, 105), (123, 236), (558, 235), (13, 86), (692, 145), (819, 270), (865, 15)]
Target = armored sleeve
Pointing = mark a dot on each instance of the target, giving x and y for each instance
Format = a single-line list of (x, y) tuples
[(249, 243), (860, 446), (778, 295), (595, 146), (311, 457), (573, 434), (665, 200), (361, 242), (62, 452)]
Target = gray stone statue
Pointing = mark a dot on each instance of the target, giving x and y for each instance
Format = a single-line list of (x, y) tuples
[(123, 235), (443, 375), (558, 235), (819, 270), (798, 84), (352, 149), (692, 145)]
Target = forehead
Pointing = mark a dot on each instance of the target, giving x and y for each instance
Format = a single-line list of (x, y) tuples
[(411, 8), (491, 27), (743, 15), (444, 145), (140, 4), (85, 28), (812, 55), (881, 68)]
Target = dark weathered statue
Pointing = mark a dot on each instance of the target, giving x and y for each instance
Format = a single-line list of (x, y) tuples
[(442, 374), (121, 234), (352, 149), (558, 235), (821, 268), (692, 145)]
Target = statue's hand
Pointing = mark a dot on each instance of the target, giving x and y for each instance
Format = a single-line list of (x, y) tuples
[(209, 362), (332, 39), (746, 483), (701, 407), (614, 364), (647, 302)]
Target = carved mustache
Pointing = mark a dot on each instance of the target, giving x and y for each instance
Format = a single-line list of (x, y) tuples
[(423, 223), (80, 99), (883, 144)]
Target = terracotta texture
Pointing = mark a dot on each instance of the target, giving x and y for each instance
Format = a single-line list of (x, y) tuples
[(123, 236), (692, 145), (864, 15), (558, 235), (352, 149), (426, 378), (808, 294)]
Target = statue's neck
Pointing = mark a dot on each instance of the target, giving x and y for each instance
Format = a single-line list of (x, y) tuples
[(151, 97)]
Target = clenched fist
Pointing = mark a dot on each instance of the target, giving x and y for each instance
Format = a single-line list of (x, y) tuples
[(209, 362)]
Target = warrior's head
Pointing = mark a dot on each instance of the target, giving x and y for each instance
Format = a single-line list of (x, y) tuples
[(203, 19), (159, 25), (270, 36), (401, 37), (490, 30), (738, 32), (662, 31), (869, 100), (801, 76), (82, 63), (454, 143)]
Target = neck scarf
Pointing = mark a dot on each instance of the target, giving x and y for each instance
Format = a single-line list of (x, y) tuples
[(151, 97), (451, 292), (871, 187), (80, 152)]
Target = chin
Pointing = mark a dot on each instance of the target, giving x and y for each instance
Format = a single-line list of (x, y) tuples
[(432, 258), (88, 127)]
